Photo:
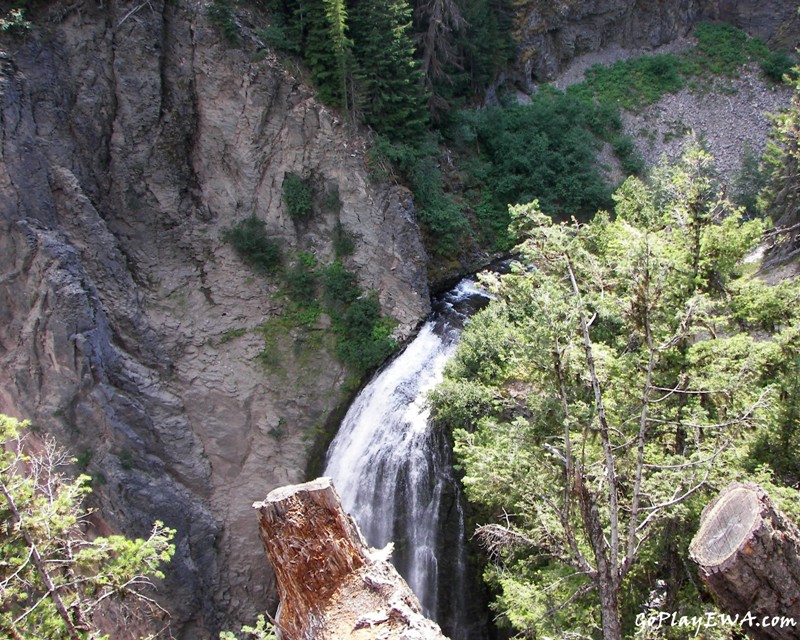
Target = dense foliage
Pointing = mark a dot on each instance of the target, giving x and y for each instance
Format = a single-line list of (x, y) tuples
[(625, 371), (545, 150), (298, 197), (781, 196), (254, 245), (55, 582)]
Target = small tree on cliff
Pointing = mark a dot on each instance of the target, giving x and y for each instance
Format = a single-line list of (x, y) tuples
[(608, 384), (54, 581)]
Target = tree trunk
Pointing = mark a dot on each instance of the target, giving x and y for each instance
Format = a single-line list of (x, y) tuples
[(749, 556), (331, 585), (609, 608)]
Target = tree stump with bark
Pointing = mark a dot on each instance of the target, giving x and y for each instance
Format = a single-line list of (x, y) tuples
[(749, 556), (330, 583)]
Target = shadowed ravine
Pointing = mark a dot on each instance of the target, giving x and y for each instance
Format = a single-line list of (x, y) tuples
[(394, 473)]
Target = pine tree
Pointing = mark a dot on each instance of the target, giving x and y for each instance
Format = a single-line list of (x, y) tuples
[(336, 14), (320, 50), (389, 81)]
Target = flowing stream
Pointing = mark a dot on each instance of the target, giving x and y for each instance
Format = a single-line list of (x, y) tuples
[(393, 471)]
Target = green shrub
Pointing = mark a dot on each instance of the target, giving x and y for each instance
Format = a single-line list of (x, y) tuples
[(301, 279), (634, 83), (253, 245), (221, 16), (721, 48), (230, 334), (777, 64), (340, 286), (631, 160), (343, 242), (545, 150), (331, 200), (437, 212), (364, 337), (298, 196)]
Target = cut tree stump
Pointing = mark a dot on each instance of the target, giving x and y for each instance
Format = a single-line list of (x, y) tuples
[(749, 556), (330, 583)]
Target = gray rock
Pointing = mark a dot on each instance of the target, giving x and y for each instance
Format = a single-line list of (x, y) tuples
[(130, 141)]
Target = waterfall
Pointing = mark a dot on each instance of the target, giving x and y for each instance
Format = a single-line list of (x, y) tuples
[(394, 474)]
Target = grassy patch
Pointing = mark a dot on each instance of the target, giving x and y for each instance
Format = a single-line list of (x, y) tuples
[(720, 52), (631, 84), (230, 334)]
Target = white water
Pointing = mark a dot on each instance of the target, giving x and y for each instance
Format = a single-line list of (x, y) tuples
[(392, 470)]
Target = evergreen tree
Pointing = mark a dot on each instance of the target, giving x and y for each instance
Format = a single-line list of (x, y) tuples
[(323, 52), (389, 82), (336, 14), (781, 198), (55, 582), (607, 386)]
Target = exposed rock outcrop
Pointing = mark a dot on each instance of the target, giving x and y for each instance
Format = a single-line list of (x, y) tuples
[(331, 584), (132, 136), (551, 33)]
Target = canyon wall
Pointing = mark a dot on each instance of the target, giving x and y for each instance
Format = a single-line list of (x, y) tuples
[(133, 135), (550, 33)]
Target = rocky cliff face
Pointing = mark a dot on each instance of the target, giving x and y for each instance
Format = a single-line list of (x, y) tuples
[(132, 136), (551, 33)]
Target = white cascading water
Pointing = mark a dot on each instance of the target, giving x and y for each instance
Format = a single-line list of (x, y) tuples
[(393, 471)]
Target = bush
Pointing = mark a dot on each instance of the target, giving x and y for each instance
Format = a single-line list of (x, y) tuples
[(365, 338), (340, 286), (301, 279), (298, 196), (776, 65), (545, 151), (721, 48), (437, 211), (634, 83), (343, 242), (253, 245), (221, 16)]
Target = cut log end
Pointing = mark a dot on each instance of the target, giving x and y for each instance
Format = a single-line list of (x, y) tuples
[(726, 526), (331, 585), (749, 557)]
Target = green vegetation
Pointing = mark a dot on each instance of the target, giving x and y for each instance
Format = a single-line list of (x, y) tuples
[(545, 150), (343, 242), (625, 371), (255, 247), (221, 15), (391, 96), (780, 198), (720, 52), (298, 196), (263, 630), (230, 334), (56, 582), (440, 216), (14, 21)]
